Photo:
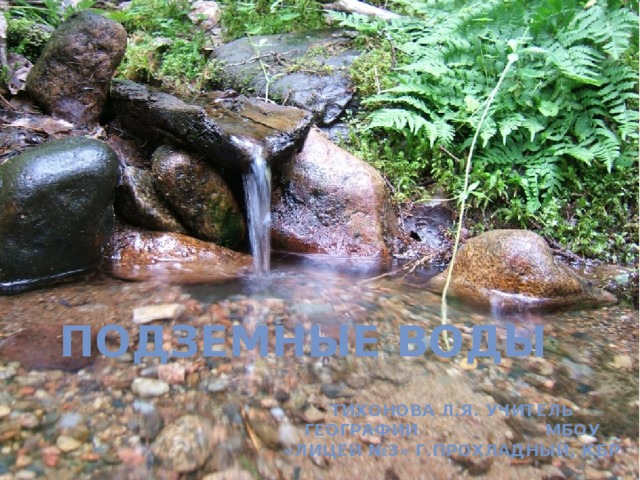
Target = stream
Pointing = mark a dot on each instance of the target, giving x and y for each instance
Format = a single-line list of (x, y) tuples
[(260, 406)]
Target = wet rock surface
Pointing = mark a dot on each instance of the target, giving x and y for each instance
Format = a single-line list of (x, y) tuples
[(199, 196), (139, 204), (308, 70), (327, 201), (427, 223), (516, 268), (56, 211), (226, 132), (71, 78), (165, 257)]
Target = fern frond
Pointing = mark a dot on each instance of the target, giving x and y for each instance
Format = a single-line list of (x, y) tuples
[(610, 29), (579, 62), (400, 119)]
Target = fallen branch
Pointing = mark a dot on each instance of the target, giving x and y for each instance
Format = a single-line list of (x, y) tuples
[(361, 8)]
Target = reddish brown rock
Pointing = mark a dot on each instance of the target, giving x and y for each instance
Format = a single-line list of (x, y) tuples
[(327, 201), (171, 257), (508, 269), (199, 196), (40, 348)]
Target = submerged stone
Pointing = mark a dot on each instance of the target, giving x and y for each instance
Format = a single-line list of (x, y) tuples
[(56, 211), (507, 269), (227, 132), (306, 69), (40, 348), (172, 258), (199, 196), (71, 78), (185, 445), (327, 201)]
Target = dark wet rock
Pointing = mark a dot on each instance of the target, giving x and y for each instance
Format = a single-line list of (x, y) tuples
[(427, 222), (327, 201), (56, 211), (185, 445), (71, 78), (199, 196), (308, 70), (40, 348), (227, 132), (508, 269), (138, 203), (127, 149), (171, 257)]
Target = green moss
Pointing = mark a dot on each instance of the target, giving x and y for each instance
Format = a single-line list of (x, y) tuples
[(230, 227), (370, 71), (163, 48), (27, 37), (264, 17)]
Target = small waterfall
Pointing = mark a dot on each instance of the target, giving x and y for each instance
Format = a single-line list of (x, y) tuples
[(257, 191)]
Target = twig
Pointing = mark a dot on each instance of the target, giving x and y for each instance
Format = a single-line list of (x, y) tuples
[(355, 6), (450, 154), (6, 103), (409, 268), (250, 432)]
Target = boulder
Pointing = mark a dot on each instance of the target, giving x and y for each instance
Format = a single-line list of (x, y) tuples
[(228, 131), (309, 70), (56, 211), (71, 78), (138, 203), (199, 196), (512, 269), (327, 201), (171, 258)]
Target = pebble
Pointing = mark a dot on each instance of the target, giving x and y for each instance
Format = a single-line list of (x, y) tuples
[(587, 439), (4, 411), (70, 420), (288, 434), (149, 387), (232, 474), (184, 445), (313, 415), (278, 414), (622, 362), (28, 421), (67, 444), (172, 373), (217, 385), (150, 313), (25, 475), (50, 456)]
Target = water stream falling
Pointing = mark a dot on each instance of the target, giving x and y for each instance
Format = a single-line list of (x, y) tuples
[(257, 191)]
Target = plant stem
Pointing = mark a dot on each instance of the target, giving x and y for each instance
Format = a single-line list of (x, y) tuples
[(465, 193)]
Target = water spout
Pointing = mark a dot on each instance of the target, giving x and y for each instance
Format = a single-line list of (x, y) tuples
[(257, 191)]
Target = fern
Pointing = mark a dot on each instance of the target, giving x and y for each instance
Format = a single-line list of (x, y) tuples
[(567, 109)]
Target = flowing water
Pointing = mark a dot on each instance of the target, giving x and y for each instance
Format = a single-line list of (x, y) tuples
[(257, 188), (254, 402)]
